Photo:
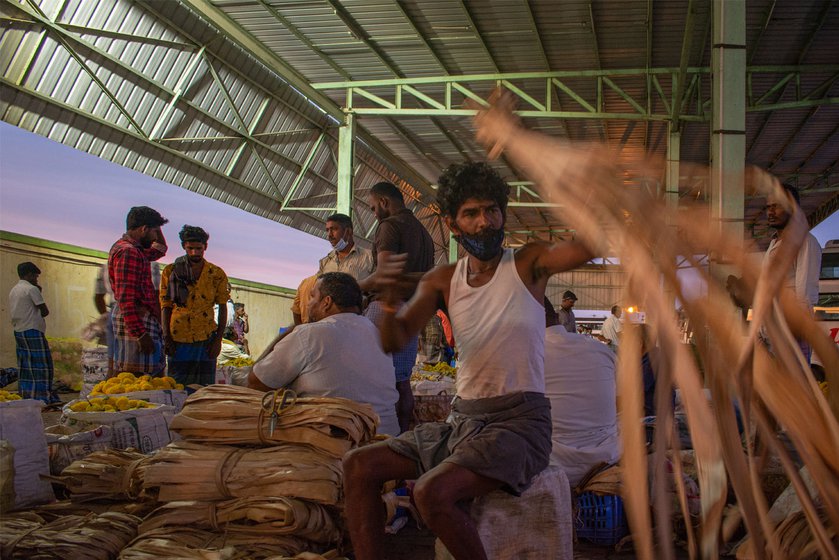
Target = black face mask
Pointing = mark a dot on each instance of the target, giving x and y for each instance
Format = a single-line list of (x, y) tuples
[(484, 245)]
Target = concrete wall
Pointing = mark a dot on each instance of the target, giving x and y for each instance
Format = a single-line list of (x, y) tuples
[(68, 274)]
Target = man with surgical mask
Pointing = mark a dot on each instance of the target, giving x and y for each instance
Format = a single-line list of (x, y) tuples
[(345, 255), (498, 435)]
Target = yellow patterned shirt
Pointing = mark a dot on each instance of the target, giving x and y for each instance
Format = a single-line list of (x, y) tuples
[(196, 321)]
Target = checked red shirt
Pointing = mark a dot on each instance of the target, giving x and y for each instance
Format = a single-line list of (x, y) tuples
[(130, 275)]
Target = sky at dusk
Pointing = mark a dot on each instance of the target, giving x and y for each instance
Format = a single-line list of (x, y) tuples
[(55, 192)]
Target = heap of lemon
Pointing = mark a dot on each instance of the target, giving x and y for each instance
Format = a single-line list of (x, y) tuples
[(434, 372), (6, 396), (109, 404), (126, 382), (238, 362)]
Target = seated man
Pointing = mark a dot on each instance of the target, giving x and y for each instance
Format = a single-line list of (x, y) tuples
[(229, 348), (336, 354), (580, 383), (499, 435)]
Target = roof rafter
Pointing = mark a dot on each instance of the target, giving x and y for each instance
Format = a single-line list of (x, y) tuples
[(819, 23), (269, 59)]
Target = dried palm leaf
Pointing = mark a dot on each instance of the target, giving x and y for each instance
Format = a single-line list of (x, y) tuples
[(55, 510), (772, 389), (255, 516), (193, 471), (794, 537), (74, 536), (186, 543), (226, 414), (111, 474)]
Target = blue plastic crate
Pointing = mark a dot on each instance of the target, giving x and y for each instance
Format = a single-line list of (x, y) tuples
[(600, 519)]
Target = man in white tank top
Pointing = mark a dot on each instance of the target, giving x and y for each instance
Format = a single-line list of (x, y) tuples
[(499, 435)]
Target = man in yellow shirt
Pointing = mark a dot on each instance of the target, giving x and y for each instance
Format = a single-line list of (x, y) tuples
[(189, 288)]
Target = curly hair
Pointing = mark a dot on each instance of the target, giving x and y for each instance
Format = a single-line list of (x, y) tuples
[(193, 233), (462, 181)]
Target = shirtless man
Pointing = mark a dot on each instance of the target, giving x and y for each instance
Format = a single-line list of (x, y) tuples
[(494, 299)]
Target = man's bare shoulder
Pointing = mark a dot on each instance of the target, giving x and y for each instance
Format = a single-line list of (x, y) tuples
[(440, 275)]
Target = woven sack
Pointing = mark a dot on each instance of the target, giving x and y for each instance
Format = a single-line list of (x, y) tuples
[(22, 426)]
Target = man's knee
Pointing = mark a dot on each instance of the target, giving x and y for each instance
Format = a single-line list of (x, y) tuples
[(432, 497), (374, 463)]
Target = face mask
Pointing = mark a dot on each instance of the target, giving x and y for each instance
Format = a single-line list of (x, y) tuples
[(341, 245), (483, 246)]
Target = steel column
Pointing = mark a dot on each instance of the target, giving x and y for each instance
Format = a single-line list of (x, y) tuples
[(728, 116), (346, 138)]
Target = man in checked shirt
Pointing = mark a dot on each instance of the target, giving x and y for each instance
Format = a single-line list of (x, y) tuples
[(138, 337)]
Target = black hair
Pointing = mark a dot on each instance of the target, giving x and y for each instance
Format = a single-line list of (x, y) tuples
[(462, 181), (193, 233), (140, 216), (238, 305), (388, 190), (615, 308), (793, 191), (230, 334), (342, 288), (341, 219), (27, 268)]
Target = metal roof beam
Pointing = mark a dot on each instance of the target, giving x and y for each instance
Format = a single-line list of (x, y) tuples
[(687, 42), (64, 34), (779, 105), (453, 90), (270, 60), (560, 74), (766, 19), (478, 35), (603, 124), (155, 145)]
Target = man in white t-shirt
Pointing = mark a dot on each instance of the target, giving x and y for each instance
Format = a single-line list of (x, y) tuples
[(28, 309), (612, 328), (580, 383), (803, 277), (336, 354)]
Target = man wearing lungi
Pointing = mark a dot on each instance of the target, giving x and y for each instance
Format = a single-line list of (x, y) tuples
[(28, 309), (138, 339), (189, 288), (499, 435)]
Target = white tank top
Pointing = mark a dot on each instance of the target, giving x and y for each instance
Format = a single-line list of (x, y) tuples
[(499, 330)]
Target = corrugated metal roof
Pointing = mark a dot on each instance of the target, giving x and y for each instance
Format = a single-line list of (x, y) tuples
[(228, 124)]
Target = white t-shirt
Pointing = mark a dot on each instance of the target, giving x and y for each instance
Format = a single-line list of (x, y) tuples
[(803, 277), (580, 383), (339, 356), (24, 300), (611, 329)]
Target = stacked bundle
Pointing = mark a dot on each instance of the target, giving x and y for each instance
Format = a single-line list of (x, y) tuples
[(110, 474), (193, 471), (275, 500), (73, 536), (255, 516), (224, 414)]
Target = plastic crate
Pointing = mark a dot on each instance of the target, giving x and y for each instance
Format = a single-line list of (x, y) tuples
[(600, 519)]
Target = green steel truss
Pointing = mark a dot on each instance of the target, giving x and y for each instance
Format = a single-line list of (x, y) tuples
[(589, 94)]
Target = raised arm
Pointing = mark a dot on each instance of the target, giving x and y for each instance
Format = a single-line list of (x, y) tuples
[(398, 328)]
